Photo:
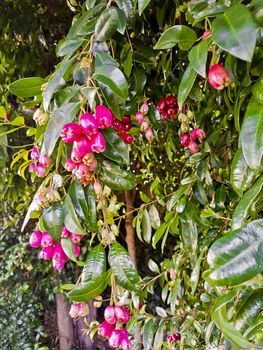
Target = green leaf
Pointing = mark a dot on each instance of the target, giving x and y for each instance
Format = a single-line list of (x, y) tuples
[(237, 256), (116, 149), (90, 196), (180, 34), (146, 226), (148, 334), (90, 289), (56, 81), (186, 84), (71, 220), (142, 4), (153, 266), (188, 231), (235, 32), (112, 175), (107, 24), (26, 87), (68, 248), (251, 139), (68, 46), (198, 56), (242, 209), (159, 233), (114, 102), (154, 217), (53, 220), (241, 175), (65, 114), (122, 267), (176, 196), (95, 264), (159, 335)]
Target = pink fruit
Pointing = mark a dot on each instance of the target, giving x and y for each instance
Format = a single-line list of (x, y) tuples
[(193, 147), (75, 238), (161, 105), (104, 117), (40, 170), (81, 148), (139, 117), (83, 309), (46, 240), (176, 336), (126, 119), (76, 250), (144, 125), (45, 160), (105, 329), (171, 112), (122, 314), (74, 310), (200, 133), (127, 138), (207, 34), (109, 314), (144, 108), (59, 253), (81, 170), (89, 124), (185, 139), (65, 232), (70, 165), (88, 159), (116, 338), (98, 143), (34, 155), (71, 132), (32, 167), (58, 264), (149, 134), (218, 76), (35, 239), (117, 125), (47, 253), (170, 339), (87, 179), (125, 344)]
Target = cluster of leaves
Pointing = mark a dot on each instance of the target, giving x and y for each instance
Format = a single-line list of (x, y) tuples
[(114, 54)]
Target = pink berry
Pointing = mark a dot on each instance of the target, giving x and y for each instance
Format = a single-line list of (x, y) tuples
[(58, 264), (40, 170), (74, 310), (98, 143), (122, 314), (76, 250), (139, 117), (171, 101), (89, 124), (170, 339), (34, 155), (171, 112), (83, 309), (59, 253), (70, 165), (144, 108), (149, 134), (47, 253), (32, 167), (185, 139), (71, 132), (126, 119), (116, 338), (144, 125), (176, 336), (46, 240), (65, 232), (193, 135), (81, 147), (35, 239), (127, 138), (75, 238), (125, 344), (200, 133), (45, 160), (161, 105), (117, 125), (207, 34), (218, 76), (109, 314), (104, 117), (81, 170), (193, 147), (105, 329)]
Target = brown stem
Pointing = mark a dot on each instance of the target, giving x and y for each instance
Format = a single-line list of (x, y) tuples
[(130, 232)]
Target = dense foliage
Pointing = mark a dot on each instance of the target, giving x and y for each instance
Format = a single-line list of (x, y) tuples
[(163, 104)]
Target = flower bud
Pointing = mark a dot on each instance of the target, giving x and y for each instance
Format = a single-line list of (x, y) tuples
[(46, 240), (98, 143), (35, 239), (40, 117), (122, 314), (45, 160), (144, 125), (75, 238), (193, 147), (97, 188), (70, 165), (144, 108), (76, 250), (74, 310), (139, 117), (104, 117), (185, 139), (71, 132), (116, 338), (105, 329), (89, 124), (34, 154), (207, 34), (149, 134), (53, 195), (87, 179), (218, 76), (83, 309), (109, 314), (40, 170), (46, 253)]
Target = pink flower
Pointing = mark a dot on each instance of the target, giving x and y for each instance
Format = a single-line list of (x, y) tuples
[(105, 329), (45, 160), (46, 240), (185, 139), (104, 117), (122, 314), (46, 253), (65, 232), (116, 338), (218, 76), (75, 238), (70, 165), (144, 108), (74, 310), (89, 124), (139, 117), (40, 170), (35, 239), (81, 147), (193, 147), (98, 143), (109, 314), (76, 250), (149, 134), (71, 132), (32, 167), (34, 155)]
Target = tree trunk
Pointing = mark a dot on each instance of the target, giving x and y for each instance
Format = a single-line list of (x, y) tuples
[(65, 324)]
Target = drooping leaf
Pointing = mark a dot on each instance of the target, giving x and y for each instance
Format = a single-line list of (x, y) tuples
[(159, 335), (107, 24), (142, 4), (116, 149), (68, 248), (71, 220), (188, 232), (122, 267), (186, 84), (179, 34), (146, 226), (159, 233), (237, 256), (114, 102), (154, 217), (176, 196), (198, 56), (148, 334), (65, 114), (251, 139), (26, 87), (95, 264), (52, 218), (68, 46), (90, 196)]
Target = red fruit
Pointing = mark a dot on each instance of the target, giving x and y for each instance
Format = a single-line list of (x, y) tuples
[(218, 76), (161, 105), (89, 124), (35, 239), (34, 154), (127, 138), (193, 135), (104, 117), (93, 165), (116, 338), (171, 101), (177, 336), (127, 127), (109, 314), (46, 240), (117, 125), (65, 232), (75, 238), (46, 253), (122, 314), (105, 329), (193, 147), (76, 250), (71, 132), (185, 139), (126, 119), (171, 112), (70, 165), (80, 148), (88, 159), (98, 143), (200, 133), (170, 339), (40, 170)]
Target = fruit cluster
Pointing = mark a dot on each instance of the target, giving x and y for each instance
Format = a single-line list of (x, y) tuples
[(168, 106), (141, 119), (188, 139), (172, 339), (78, 310), (113, 327), (52, 249), (39, 162), (121, 127), (44, 197)]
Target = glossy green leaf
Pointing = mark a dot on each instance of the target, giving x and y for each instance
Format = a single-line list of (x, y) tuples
[(154, 217), (146, 226), (90, 289), (95, 264), (68, 46), (68, 248), (241, 175), (116, 149), (199, 193), (179, 34), (188, 231), (237, 256), (186, 84), (159, 233), (242, 209), (71, 220), (26, 87), (91, 221), (114, 102), (107, 24), (159, 335), (115, 177), (198, 56), (235, 32), (142, 4), (113, 78), (176, 196), (251, 139), (65, 114), (53, 220), (122, 267), (148, 334)]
